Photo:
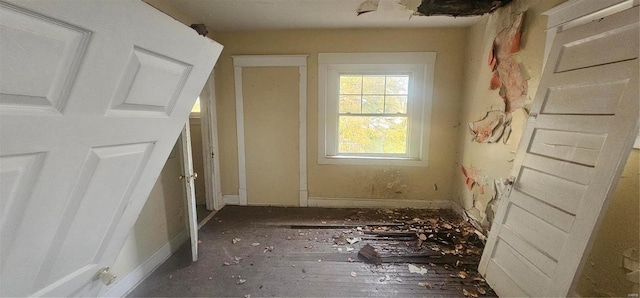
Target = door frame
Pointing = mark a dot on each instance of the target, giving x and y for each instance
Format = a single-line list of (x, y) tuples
[(299, 61), (210, 152)]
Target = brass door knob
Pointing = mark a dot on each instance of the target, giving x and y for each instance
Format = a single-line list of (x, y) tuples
[(106, 277), (194, 176)]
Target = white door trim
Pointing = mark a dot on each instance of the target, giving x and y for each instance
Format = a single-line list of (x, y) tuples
[(210, 155), (299, 61)]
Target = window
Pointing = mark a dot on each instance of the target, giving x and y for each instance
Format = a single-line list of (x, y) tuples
[(195, 110), (374, 108)]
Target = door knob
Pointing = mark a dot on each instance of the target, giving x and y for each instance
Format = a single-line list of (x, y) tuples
[(194, 176), (105, 276)]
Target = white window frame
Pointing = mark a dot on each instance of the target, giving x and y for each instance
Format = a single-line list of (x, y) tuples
[(419, 66)]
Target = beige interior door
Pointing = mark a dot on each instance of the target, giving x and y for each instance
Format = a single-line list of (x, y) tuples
[(576, 141), (93, 95), (271, 135), (188, 178)]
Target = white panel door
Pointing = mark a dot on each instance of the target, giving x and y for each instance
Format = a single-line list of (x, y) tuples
[(582, 126), (188, 176), (93, 95)]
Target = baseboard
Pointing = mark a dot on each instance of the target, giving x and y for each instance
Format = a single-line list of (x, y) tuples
[(377, 203), (457, 208), (125, 285), (231, 199)]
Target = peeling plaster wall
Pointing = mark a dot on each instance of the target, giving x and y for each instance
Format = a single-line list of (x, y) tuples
[(347, 181), (495, 160), (603, 274)]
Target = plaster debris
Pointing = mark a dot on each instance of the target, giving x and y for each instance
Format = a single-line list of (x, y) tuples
[(367, 6), (235, 240), (353, 240), (268, 249), (425, 284), (490, 128), (482, 291), (507, 72), (353, 274), (255, 244), (241, 281), (416, 269), (462, 274), (468, 293)]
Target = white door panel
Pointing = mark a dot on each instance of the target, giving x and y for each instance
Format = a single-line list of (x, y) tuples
[(188, 177), (92, 98), (582, 125)]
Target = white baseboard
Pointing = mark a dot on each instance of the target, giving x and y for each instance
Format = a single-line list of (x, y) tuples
[(377, 203), (231, 199), (125, 285), (457, 208)]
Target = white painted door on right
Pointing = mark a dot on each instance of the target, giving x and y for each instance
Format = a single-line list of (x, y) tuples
[(582, 126)]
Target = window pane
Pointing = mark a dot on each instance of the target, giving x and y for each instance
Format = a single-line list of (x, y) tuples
[(350, 84), (349, 104), (397, 85), (395, 104), (373, 84), (196, 106), (372, 104), (365, 134)]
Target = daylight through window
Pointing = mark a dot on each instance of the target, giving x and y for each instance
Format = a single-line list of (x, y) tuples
[(373, 114), (374, 108)]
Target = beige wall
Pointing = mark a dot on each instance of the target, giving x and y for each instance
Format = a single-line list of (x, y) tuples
[(495, 160), (603, 274), (353, 181), (161, 219)]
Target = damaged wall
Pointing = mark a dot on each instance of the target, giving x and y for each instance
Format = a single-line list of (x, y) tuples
[(603, 274), (348, 181), (490, 156)]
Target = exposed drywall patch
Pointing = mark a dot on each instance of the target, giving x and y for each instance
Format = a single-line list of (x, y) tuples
[(508, 75), (485, 201), (491, 128), (458, 8), (474, 177)]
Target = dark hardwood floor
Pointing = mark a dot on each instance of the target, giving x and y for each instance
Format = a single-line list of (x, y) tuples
[(306, 252)]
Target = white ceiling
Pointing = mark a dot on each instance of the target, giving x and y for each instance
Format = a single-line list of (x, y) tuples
[(237, 15)]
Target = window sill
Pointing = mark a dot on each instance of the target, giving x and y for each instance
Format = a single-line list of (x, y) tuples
[(371, 161)]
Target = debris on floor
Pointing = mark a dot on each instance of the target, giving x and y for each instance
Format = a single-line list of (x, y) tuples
[(416, 269), (370, 253), (398, 252)]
